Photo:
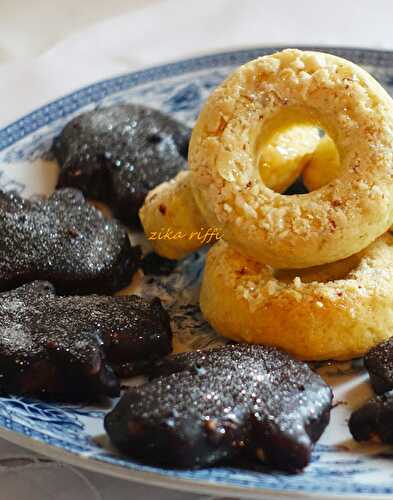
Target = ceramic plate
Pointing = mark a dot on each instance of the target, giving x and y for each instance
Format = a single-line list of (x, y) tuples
[(75, 434)]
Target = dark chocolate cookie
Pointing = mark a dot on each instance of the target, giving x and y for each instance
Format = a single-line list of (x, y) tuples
[(65, 240), (379, 363), (70, 348), (374, 420), (117, 154), (207, 407)]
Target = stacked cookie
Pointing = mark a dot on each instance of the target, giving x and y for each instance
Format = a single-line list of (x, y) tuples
[(309, 273)]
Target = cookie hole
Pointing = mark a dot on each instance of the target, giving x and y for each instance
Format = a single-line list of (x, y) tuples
[(298, 159)]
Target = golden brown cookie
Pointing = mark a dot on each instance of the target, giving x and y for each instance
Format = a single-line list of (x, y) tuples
[(335, 311), (241, 115)]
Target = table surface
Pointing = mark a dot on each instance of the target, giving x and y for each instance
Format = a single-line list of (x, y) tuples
[(49, 48)]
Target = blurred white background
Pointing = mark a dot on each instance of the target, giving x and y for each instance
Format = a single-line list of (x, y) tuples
[(30, 27), (50, 47)]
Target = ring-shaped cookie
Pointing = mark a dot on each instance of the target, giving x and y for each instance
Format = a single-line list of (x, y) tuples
[(277, 91), (335, 311), (171, 218)]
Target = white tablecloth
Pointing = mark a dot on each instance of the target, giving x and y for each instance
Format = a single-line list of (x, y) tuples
[(49, 48)]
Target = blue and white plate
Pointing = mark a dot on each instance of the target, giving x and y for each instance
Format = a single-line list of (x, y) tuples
[(75, 434)]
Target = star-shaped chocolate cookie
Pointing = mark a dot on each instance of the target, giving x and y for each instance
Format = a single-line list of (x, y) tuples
[(65, 240), (209, 407), (72, 348)]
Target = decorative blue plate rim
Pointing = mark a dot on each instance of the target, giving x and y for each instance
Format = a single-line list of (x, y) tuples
[(181, 484), (97, 91), (17, 427)]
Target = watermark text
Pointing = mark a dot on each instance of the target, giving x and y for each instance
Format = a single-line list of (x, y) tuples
[(205, 236)]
